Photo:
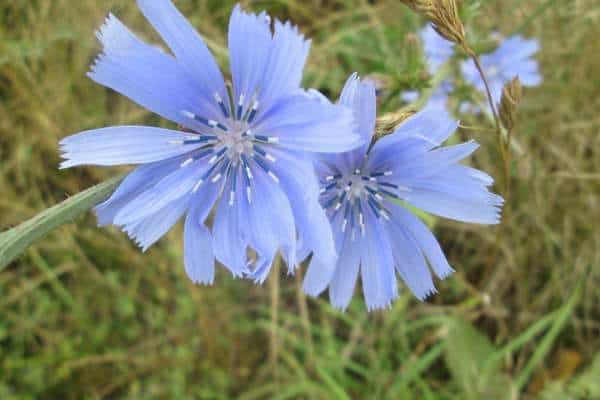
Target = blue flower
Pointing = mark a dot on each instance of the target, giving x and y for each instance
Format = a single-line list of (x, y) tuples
[(439, 97), (245, 150), (437, 49), (366, 193), (514, 57), (410, 96)]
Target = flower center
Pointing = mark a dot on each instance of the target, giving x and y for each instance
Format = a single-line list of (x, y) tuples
[(236, 141), (230, 145), (350, 194)]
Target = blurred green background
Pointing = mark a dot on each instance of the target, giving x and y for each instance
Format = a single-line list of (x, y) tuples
[(84, 314)]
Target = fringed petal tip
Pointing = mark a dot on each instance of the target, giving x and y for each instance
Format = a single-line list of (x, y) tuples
[(202, 281), (114, 36), (445, 274), (340, 306), (66, 164), (381, 306), (139, 242), (432, 291), (422, 296)]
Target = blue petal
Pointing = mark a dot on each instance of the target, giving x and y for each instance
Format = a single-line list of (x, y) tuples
[(423, 131), (148, 230), (174, 186), (430, 163), (454, 191), (123, 145), (435, 183), (527, 71), (187, 45), (377, 265), (248, 62), (320, 272), (148, 76), (228, 244), (198, 243), (287, 58), (424, 238), (303, 123), (314, 231), (360, 97), (262, 267), (301, 186), (410, 262), (268, 223), (346, 272), (450, 205), (318, 276), (516, 47), (139, 180)]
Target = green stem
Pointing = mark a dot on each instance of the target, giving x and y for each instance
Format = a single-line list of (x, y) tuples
[(15, 241)]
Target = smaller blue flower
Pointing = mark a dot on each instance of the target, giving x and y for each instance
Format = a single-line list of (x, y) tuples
[(437, 49), (366, 193), (514, 57)]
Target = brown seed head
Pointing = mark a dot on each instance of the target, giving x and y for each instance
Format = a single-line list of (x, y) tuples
[(444, 16), (512, 94), (388, 123)]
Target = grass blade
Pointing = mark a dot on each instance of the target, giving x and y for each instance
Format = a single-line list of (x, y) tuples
[(548, 340)]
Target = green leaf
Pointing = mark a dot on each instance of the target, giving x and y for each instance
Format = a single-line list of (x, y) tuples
[(467, 352), (16, 240)]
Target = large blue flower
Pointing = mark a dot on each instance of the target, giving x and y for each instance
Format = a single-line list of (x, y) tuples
[(245, 150), (365, 193), (514, 57)]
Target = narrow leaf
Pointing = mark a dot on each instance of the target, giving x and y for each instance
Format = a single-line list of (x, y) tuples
[(16, 240)]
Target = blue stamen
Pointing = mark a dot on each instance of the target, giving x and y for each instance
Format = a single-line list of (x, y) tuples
[(391, 185), (261, 164), (394, 195)]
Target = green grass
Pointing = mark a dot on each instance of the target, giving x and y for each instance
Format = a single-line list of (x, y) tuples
[(84, 314)]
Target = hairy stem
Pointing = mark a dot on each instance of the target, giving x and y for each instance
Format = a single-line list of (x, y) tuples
[(15, 241)]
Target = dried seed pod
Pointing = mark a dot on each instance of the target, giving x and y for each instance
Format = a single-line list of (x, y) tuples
[(509, 103), (388, 123)]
